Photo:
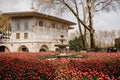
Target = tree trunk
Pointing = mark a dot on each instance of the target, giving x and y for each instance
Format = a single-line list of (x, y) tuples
[(92, 43), (90, 5), (79, 26), (82, 37), (85, 33)]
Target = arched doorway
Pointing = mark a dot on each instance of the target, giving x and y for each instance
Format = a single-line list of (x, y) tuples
[(44, 48), (4, 49), (23, 49)]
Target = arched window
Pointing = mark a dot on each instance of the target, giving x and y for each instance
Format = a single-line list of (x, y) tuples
[(23, 49), (44, 48), (4, 49), (41, 23), (63, 26), (53, 25)]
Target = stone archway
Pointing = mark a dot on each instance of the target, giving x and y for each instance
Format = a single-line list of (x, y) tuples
[(23, 49), (44, 48), (4, 49)]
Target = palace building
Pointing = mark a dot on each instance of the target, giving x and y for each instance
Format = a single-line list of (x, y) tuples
[(32, 32)]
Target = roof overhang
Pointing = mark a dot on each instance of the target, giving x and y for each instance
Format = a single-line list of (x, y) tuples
[(37, 14)]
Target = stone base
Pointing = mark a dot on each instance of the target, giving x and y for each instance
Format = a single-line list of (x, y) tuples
[(63, 55)]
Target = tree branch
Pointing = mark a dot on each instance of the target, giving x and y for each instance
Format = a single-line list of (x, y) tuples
[(104, 6), (76, 16)]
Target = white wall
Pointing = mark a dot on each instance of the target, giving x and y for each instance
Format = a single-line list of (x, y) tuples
[(37, 36)]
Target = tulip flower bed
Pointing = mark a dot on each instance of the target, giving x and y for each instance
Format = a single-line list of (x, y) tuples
[(27, 66)]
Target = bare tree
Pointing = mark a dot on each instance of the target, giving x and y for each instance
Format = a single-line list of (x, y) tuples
[(88, 7), (5, 26), (105, 38), (112, 36), (118, 33), (73, 34), (1, 20), (98, 39)]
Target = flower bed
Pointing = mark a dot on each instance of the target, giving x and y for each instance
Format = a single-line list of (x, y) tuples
[(27, 66)]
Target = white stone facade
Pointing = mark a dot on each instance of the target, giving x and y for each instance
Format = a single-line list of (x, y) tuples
[(34, 32)]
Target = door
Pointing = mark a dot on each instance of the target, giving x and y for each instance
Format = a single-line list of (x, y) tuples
[(2, 48)]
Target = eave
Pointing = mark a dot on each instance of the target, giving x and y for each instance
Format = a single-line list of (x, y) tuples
[(37, 14)]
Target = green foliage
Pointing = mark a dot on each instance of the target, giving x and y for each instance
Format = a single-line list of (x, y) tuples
[(75, 44), (80, 55), (48, 56), (117, 43), (85, 78), (76, 55), (43, 77)]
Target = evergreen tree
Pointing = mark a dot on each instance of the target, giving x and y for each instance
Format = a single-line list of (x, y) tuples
[(76, 44), (117, 43)]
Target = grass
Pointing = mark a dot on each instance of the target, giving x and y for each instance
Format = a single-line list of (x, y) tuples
[(45, 57), (74, 55)]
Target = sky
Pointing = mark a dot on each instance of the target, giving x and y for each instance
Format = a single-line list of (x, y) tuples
[(102, 21)]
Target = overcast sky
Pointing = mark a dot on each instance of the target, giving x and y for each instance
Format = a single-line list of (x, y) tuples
[(103, 21)]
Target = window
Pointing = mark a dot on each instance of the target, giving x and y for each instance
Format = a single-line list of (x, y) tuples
[(67, 28), (25, 35), (63, 26), (24, 50), (53, 25), (26, 25), (41, 23), (17, 35), (17, 24)]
